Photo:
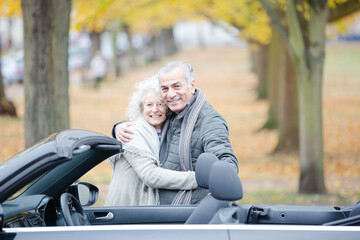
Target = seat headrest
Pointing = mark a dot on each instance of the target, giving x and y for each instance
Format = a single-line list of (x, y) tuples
[(356, 210), (203, 168), (224, 182)]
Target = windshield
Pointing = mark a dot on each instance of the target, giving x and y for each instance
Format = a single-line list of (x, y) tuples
[(23, 189), (18, 172), (16, 159)]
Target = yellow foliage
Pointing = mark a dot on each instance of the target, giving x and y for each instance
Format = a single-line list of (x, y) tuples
[(341, 25), (148, 16), (10, 8), (141, 16), (246, 15), (299, 7), (333, 3), (89, 14)]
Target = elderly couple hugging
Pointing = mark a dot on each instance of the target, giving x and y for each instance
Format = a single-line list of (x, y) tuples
[(172, 125)]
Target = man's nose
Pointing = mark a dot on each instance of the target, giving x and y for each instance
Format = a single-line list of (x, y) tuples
[(171, 93)]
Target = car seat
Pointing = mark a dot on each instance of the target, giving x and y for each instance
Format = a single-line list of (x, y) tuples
[(223, 183)]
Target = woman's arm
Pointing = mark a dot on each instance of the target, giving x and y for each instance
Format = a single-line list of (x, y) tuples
[(156, 177)]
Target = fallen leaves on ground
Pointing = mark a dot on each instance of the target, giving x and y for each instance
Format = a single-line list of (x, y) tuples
[(224, 75)]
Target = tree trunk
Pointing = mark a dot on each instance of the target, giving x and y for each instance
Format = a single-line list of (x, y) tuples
[(170, 46), (343, 9), (200, 35), (307, 48), (274, 73), (311, 149), (132, 53), (310, 103), (95, 43), (152, 55), (162, 44), (261, 61), (46, 34), (288, 110), (6, 107), (306, 44), (254, 67), (116, 57)]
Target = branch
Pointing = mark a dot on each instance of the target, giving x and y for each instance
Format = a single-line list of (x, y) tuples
[(344, 9), (275, 20), (296, 41)]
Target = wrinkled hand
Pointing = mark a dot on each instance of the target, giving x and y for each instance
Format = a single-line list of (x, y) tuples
[(123, 132)]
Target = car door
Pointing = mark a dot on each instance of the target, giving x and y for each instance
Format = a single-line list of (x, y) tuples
[(161, 214), (134, 232)]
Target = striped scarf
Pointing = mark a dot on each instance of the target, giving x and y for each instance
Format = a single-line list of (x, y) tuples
[(187, 126)]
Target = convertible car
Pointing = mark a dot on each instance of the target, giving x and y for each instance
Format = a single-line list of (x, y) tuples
[(41, 197)]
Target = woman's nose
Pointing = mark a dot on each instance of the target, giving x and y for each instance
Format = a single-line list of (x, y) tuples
[(155, 107)]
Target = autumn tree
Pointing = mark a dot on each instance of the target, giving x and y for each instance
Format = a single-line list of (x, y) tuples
[(281, 86), (147, 17), (6, 106), (304, 38), (46, 33), (281, 91), (299, 43), (270, 62)]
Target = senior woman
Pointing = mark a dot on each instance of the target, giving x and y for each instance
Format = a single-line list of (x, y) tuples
[(136, 172)]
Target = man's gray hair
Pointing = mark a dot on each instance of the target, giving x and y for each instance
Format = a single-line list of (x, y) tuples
[(136, 102), (189, 74)]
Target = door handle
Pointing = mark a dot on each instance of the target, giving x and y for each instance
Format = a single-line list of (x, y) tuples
[(109, 216)]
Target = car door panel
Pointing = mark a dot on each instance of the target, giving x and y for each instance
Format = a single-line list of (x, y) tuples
[(164, 214), (138, 232), (293, 232)]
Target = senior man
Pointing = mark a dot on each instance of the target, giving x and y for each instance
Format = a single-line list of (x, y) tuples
[(195, 127)]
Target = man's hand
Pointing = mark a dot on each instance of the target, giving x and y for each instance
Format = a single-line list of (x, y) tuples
[(123, 131)]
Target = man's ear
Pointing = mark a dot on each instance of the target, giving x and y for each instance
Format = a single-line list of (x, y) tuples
[(193, 86)]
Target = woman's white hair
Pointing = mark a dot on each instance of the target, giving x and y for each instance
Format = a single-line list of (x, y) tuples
[(136, 102)]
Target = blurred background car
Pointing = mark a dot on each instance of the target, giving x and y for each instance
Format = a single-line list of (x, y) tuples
[(12, 64), (12, 68)]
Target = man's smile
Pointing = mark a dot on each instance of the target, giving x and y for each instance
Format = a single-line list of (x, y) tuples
[(174, 101)]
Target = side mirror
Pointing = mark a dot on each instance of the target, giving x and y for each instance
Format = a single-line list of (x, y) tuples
[(85, 192)]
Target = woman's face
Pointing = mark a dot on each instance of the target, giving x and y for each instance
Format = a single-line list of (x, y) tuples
[(154, 110)]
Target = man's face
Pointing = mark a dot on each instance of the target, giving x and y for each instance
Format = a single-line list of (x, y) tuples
[(175, 91)]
